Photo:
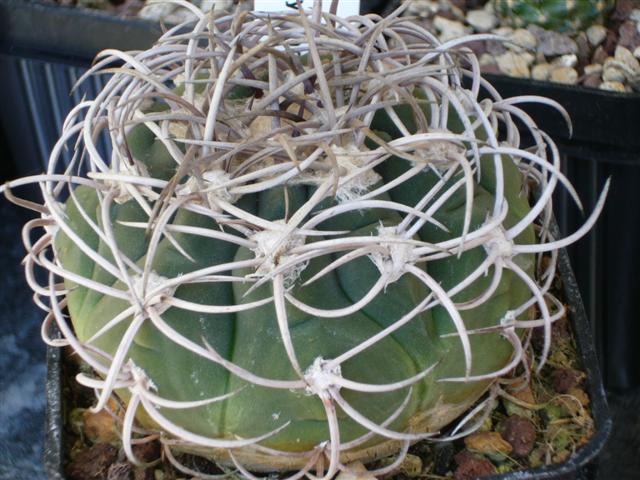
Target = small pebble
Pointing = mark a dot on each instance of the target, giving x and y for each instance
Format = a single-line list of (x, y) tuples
[(503, 31), (570, 60), (422, 8), (613, 74), (567, 75), (496, 48), (156, 12), (542, 71), (487, 59), (584, 47), (592, 81), (487, 443), (596, 34), (513, 64), (449, 29), (528, 58), (481, 20), (624, 56), (522, 39), (564, 379), (551, 43), (636, 53), (180, 15), (599, 55), (593, 68), (629, 35), (471, 467), (521, 435)]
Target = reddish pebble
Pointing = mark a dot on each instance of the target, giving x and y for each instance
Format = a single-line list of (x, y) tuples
[(520, 432), (629, 35), (599, 55), (564, 379), (592, 81), (470, 466)]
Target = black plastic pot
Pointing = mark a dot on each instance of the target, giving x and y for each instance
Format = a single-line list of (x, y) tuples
[(605, 143), (580, 466), (44, 49)]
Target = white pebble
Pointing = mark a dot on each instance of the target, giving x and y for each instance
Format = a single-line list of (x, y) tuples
[(422, 8), (569, 60), (636, 52), (481, 20), (449, 29), (613, 74), (596, 34), (503, 31), (156, 11), (521, 39), (624, 56), (513, 64)]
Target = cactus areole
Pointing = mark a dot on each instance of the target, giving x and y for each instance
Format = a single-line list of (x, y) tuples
[(313, 240)]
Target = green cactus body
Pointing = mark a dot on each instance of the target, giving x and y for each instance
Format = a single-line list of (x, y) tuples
[(557, 15), (251, 339)]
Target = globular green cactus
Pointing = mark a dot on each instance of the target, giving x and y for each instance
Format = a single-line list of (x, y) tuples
[(308, 245), (557, 15)]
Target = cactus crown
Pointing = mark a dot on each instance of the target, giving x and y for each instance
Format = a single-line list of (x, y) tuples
[(310, 243), (557, 15)]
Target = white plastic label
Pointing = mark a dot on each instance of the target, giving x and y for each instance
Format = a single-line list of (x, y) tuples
[(346, 8)]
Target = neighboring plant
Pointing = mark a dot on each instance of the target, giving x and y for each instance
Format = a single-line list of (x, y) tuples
[(557, 15), (310, 242)]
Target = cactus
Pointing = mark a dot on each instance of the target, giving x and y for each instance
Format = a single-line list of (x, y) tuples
[(557, 15), (309, 244)]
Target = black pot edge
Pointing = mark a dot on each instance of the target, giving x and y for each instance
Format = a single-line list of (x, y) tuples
[(54, 457), (32, 29), (600, 118), (586, 454)]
